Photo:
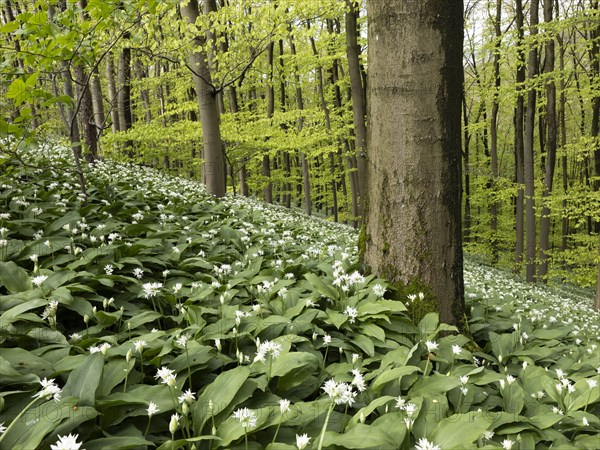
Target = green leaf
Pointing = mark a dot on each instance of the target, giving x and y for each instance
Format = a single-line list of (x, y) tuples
[(360, 437), (118, 443), (84, 380), (320, 287), (428, 325), (18, 92), (393, 375), (289, 362), (434, 384), (363, 413), (14, 278), (220, 393), (460, 429), (10, 27)]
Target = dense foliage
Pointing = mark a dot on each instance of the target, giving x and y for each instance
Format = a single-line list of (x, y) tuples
[(154, 315), (115, 75)]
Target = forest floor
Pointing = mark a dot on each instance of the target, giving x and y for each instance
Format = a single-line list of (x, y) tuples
[(149, 314)]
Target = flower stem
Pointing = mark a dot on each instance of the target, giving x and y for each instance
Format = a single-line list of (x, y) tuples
[(325, 426), (16, 419), (148, 427)]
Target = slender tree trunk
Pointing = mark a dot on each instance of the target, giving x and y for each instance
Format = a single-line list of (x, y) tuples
[(550, 146), (494, 133), (528, 156), (214, 165), (519, 142), (98, 106), (287, 185), (467, 187), (300, 124), (112, 93), (142, 73), (358, 100), (86, 113), (413, 216), (124, 94), (266, 162), (595, 131)]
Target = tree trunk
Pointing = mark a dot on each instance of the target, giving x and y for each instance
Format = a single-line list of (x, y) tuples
[(413, 217), (112, 93), (358, 103), (124, 95), (467, 186), (550, 147), (494, 133), (266, 162), (86, 113), (214, 161), (142, 72), (300, 124), (519, 144), (528, 154), (97, 105)]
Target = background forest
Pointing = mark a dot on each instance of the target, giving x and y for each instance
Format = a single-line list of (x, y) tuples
[(268, 99)]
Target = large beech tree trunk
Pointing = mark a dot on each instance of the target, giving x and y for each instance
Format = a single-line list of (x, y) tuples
[(413, 217), (214, 162)]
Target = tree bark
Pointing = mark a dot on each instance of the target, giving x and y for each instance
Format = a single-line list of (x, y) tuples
[(300, 124), (358, 103), (519, 143), (550, 148), (124, 94), (214, 161), (494, 133), (413, 217), (528, 155), (112, 93)]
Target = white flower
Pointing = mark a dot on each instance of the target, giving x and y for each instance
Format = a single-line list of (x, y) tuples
[(182, 340), (591, 383), (302, 440), (378, 290), (187, 397), (410, 409), (267, 347), (431, 346), (585, 422), (218, 344), (340, 393), (246, 417), (456, 349), (39, 280), (108, 269), (2, 428), (510, 379), (284, 405), (49, 389), (151, 289), (177, 287), (67, 443), (507, 444), (138, 273), (352, 313), (400, 403), (139, 346), (327, 339), (488, 435), (174, 423), (463, 379), (424, 444), (152, 409), (166, 375), (358, 380)]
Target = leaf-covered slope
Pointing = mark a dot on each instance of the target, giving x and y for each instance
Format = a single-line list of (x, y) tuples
[(151, 288)]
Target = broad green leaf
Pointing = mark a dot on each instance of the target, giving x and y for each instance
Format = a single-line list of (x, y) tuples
[(289, 362), (393, 375), (84, 380), (364, 413), (460, 429), (117, 443), (321, 287), (219, 393), (361, 437), (14, 278), (436, 383), (428, 325)]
